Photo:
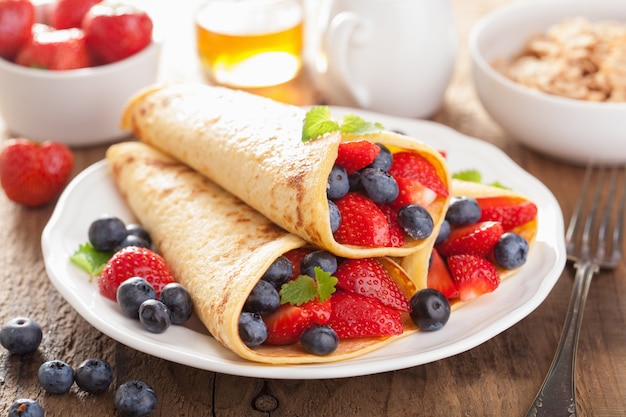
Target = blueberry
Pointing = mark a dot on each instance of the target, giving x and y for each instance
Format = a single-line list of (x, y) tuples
[(106, 233), (324, 259), (25, 407), (335, 216), (383, 160), (154, 316), (262, 299), (319, 340), (178, 301), (338, 184), (138, 230), (279, 272), (132, 240), (55, 376), (463, 210), (252, 329), (132, 293), (21, 335), (416, 221), (355, 181), (379, 186), (511, 251), (444, 232), (94, 375), (430, 309), (135, 399)]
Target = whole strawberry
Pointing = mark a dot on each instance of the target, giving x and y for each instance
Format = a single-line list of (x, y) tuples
[(132, 262), (67, 14), (16, 19), (62, 49), (116, 31), (33, 174)]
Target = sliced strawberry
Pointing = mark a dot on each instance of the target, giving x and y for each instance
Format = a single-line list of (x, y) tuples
[(286, 324), (368, 277), (411, 191), (134, 262), (414, 166), (356, 155), (439, 277), (511, 211), (357, 316), (473, 239), (396, 233), (295, 256), (319, 311), (473, 275), (362, 222)]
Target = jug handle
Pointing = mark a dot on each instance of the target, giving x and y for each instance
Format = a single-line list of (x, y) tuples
[(346, 28)]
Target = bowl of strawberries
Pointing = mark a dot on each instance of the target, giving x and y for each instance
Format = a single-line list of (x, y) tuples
[(68, 67)]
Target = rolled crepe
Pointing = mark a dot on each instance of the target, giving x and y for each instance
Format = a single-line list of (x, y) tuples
[(218, 247), (251, 146), (416, 265)]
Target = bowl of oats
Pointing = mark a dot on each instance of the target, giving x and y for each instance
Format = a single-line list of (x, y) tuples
[(552, 74)]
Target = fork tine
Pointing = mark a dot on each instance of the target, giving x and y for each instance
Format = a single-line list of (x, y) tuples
[(574, 223), (618, 231)]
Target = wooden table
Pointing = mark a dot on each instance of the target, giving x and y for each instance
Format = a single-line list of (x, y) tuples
[(497, 378)]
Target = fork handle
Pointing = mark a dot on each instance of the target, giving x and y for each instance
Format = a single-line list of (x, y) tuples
[(557, 395)]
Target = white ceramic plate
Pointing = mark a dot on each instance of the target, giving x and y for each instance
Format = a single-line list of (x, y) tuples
[(92, 193)]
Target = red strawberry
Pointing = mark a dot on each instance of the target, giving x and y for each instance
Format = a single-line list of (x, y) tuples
[(396, 233), (367, 277), (411, 191), (319, 311), (33, 174), (16, 19), (357, 316), (55, 50), (116, 31), (362, 222), (356, 155), (134, 262), (67, 14), (286, 324), (509, 210), (473, 275), (414, 166), (439, 277), (473, 239)]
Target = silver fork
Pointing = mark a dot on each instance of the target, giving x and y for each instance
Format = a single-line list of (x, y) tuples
[(594, 240)]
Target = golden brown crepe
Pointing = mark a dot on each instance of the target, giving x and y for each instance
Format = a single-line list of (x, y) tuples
[(217, 247), (416, 265), (252, 147)]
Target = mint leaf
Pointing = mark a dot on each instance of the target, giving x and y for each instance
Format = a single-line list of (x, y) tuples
[(305, 288), (325, 284), (90, 260), (298, 291), (355, 125), (317, 122), (471, 175)]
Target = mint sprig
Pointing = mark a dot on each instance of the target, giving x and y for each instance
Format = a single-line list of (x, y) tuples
[(90, 260), (473, 175), (318, 122), (305, 288)]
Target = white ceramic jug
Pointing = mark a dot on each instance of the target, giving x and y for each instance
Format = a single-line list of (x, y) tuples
[(391, 56)]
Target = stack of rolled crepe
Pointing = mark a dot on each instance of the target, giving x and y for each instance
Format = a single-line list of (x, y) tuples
[(208, 148)]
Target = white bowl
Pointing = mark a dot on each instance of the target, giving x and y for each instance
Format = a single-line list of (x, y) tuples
[(80, 107), (572, 130)]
